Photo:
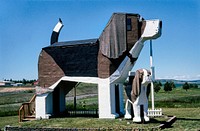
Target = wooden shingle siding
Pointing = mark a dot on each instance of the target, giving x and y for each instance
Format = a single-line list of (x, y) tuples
[(58, 61), (48, 70)]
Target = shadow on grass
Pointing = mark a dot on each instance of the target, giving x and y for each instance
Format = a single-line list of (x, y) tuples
[(188, 119), (77, 113), (152, 120)]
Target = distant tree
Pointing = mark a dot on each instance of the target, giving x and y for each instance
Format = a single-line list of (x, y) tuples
[(157, 86), (186, 86), (191, 86), (172, 85), (195, 86), (24, 81), (160, 84), (167, 87)]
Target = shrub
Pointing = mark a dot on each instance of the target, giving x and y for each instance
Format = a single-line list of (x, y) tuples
[(172, 85), (186, 86), (167, 87), (157, 86)]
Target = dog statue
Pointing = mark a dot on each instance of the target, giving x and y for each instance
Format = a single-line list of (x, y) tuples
[(138, 96)]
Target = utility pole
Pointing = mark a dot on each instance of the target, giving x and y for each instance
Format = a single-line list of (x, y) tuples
[(152, 75)]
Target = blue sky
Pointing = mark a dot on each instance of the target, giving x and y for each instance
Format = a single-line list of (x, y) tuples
[(26, 27)]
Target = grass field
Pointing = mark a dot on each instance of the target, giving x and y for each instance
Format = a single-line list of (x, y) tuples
[(183, 104), (178, 98), (10, 102), (187, 119)]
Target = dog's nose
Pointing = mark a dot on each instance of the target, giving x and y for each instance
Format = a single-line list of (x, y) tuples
[(160, 24)]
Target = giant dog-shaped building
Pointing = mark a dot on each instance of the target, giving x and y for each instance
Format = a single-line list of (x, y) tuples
[(105, 61)]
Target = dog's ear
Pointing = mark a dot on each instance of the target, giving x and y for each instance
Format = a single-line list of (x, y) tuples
[(136, 85), (113, 38), (141, 71), (148, 90)]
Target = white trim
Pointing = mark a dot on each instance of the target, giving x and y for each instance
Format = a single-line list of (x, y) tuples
[(58, 27), (93, 80)]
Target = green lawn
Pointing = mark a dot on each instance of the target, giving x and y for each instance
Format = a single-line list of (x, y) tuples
[(187, 119), (183, 104), (11, 102), (178, 98)]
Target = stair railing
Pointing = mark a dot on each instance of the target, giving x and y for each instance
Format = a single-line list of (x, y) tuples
[(27, 109)]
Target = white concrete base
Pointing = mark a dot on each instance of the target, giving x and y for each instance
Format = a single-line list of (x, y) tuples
[(40, 104), (108, 116), (106, 99)]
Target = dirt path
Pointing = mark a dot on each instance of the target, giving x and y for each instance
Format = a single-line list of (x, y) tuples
[(15, 89)]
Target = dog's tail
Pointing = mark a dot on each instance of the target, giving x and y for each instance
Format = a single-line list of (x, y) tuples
[(56, 32)]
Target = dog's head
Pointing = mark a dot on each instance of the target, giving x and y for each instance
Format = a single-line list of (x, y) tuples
[(145, 76), (120, 34)]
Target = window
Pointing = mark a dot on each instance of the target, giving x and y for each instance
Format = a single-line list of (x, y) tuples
[(128, 24)]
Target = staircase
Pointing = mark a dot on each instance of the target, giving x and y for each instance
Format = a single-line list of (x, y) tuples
[(27, 110)]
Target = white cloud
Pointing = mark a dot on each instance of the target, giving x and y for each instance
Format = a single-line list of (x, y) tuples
[(182, 77)]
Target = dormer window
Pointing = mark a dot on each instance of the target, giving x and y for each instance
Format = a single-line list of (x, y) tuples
[(128, 24)]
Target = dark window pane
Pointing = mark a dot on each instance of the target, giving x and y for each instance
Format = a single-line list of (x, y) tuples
[(128, 24)]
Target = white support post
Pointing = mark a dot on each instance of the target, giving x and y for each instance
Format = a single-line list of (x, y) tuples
[(153, 112), (106, 99), (43, 106), (152, 74)]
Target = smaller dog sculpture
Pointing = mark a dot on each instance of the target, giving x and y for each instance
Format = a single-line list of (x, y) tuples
[(138, 96)]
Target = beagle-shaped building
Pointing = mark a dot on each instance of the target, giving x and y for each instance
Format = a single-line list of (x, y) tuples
[(104, 61)]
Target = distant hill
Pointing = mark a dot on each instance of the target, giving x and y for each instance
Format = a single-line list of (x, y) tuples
[(179, 82)]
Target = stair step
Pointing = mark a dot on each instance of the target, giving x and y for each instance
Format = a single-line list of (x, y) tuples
[(27, 107), (32, 116), (29, 118)]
